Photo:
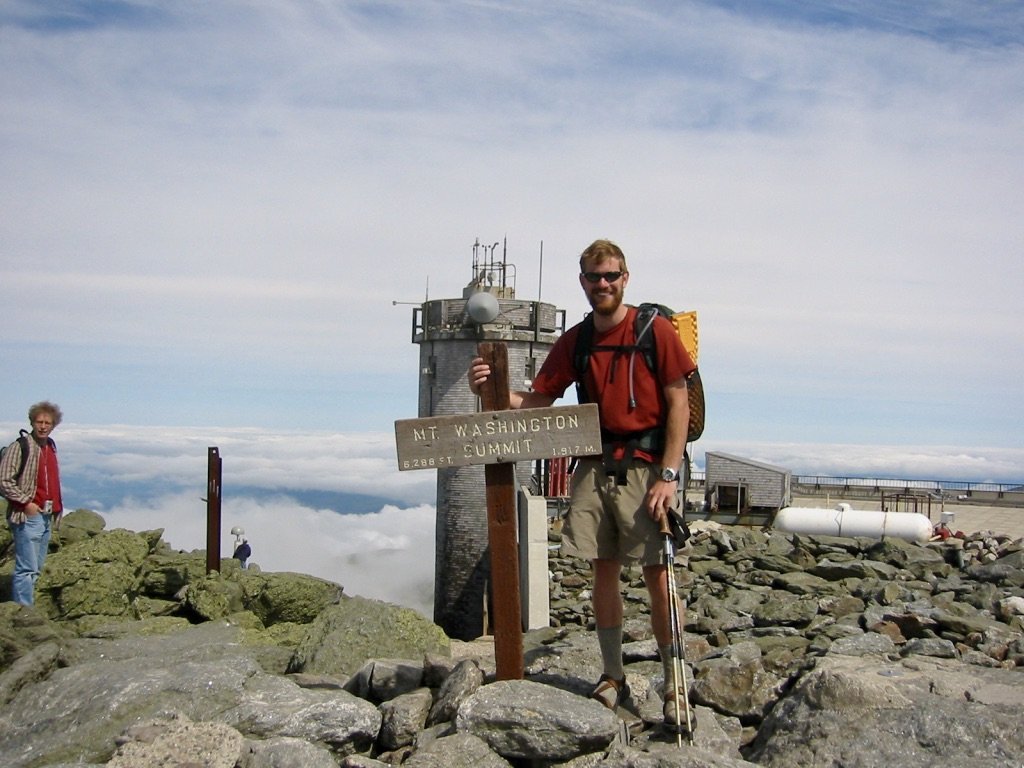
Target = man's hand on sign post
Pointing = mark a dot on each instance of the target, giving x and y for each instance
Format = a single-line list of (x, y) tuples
[(477, 374)]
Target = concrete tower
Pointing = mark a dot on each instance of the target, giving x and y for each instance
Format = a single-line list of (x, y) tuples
[(448, 336)]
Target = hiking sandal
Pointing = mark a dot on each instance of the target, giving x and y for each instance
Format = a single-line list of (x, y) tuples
[(610, 692), (675, 718)]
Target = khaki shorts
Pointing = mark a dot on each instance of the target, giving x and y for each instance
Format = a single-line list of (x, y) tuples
[(610, 521)]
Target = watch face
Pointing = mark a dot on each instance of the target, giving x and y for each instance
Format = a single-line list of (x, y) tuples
[(668, 475)]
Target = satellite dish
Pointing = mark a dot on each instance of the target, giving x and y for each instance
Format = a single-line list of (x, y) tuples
[(482, 307)]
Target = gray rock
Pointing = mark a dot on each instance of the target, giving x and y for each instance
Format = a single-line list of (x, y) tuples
[(383, 679), (783, 609), (177, 741), (463, 682), (36, 664), (834, 570), (799, 651), (116, 683), (932, 646), (523, 719), (274, 706), (916, 713), (289, 752), (460, 750), (403, 717), (742, 689), (868, 643), (803, 583)]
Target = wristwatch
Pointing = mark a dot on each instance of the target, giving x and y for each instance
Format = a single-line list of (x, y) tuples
[(669, 475)]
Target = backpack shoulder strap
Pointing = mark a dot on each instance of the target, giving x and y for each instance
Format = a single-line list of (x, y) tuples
[(23, 439), (581, 356), (23, 446), (643, 331)]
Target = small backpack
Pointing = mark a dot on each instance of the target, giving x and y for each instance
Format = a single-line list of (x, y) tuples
[(23, 440), (644, 336)]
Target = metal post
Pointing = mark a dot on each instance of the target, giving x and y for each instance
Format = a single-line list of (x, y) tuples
[(213, 480)]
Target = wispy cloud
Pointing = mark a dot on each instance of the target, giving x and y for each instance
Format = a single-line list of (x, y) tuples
[(217, 204)]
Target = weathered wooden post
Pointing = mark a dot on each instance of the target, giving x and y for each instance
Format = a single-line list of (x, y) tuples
[(213, 480), (500, 480), (498, 438)]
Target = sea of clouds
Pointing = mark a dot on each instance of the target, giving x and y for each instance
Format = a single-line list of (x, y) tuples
[(336, 506), (386, 555)]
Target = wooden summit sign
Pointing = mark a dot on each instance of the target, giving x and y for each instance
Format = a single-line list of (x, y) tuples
[(498, 437)]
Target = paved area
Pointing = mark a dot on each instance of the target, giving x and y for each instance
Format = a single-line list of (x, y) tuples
[(971, 518)]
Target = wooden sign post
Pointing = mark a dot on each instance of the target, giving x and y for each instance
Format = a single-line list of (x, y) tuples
[(497, 438), (500, 480)]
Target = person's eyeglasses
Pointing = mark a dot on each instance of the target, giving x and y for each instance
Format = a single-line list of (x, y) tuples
[(597, 277)]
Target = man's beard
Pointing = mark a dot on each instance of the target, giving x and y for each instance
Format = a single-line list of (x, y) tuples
[(605, 304)]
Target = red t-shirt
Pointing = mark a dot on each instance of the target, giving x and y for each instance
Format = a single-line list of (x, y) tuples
[(607, 377)]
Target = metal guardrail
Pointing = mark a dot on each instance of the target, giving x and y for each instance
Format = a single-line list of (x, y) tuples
[(945, 487), (934, 486)]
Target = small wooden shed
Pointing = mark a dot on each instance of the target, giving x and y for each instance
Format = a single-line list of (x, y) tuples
[(744, 487)]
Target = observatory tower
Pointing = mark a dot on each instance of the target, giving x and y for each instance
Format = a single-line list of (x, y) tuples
[(448, 331)]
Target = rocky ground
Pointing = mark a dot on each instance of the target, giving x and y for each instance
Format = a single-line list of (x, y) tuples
[(800, 651)]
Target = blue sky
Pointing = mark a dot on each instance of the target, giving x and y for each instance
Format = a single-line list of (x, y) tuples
[(209, 209)]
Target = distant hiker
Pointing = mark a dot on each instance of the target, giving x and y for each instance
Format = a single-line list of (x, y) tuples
[(620, 500), (242, 552), (30, 482)]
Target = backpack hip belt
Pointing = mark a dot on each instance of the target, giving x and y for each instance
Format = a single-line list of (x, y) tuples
[(650, 441)]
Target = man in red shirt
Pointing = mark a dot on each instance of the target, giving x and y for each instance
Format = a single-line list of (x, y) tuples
[(620, 501), (31, 485)]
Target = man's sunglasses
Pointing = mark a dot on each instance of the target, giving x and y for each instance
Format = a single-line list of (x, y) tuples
[(597, 277)]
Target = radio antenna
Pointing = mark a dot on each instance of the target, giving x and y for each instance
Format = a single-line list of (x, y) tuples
[(540, 273)]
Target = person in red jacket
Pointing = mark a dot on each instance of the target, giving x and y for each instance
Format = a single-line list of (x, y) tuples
[(620, 500), (31, 485)]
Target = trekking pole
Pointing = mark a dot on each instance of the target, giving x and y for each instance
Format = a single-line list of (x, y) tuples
[(676, 625)]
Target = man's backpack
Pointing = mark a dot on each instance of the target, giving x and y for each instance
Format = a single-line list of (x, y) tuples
[(684, 323), (23, 440)]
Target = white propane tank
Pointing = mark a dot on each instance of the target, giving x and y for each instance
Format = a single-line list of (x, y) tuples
[(846, 521)]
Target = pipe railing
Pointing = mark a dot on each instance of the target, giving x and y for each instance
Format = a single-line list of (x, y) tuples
[(924, 486)]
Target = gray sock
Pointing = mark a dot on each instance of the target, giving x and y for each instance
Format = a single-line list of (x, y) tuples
[(665, 651), (610, 640)]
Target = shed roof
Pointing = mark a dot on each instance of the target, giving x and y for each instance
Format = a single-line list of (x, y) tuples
[(747, 462)]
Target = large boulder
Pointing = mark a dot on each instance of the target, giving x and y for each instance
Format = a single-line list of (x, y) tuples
[(526, 720), (287, 597), (103, 686), (96, 576), (345, 635), (915, 713), (23, 628), (165, 573), (77, 525)]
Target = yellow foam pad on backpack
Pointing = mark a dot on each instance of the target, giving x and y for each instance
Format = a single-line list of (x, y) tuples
[(686, 327)]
